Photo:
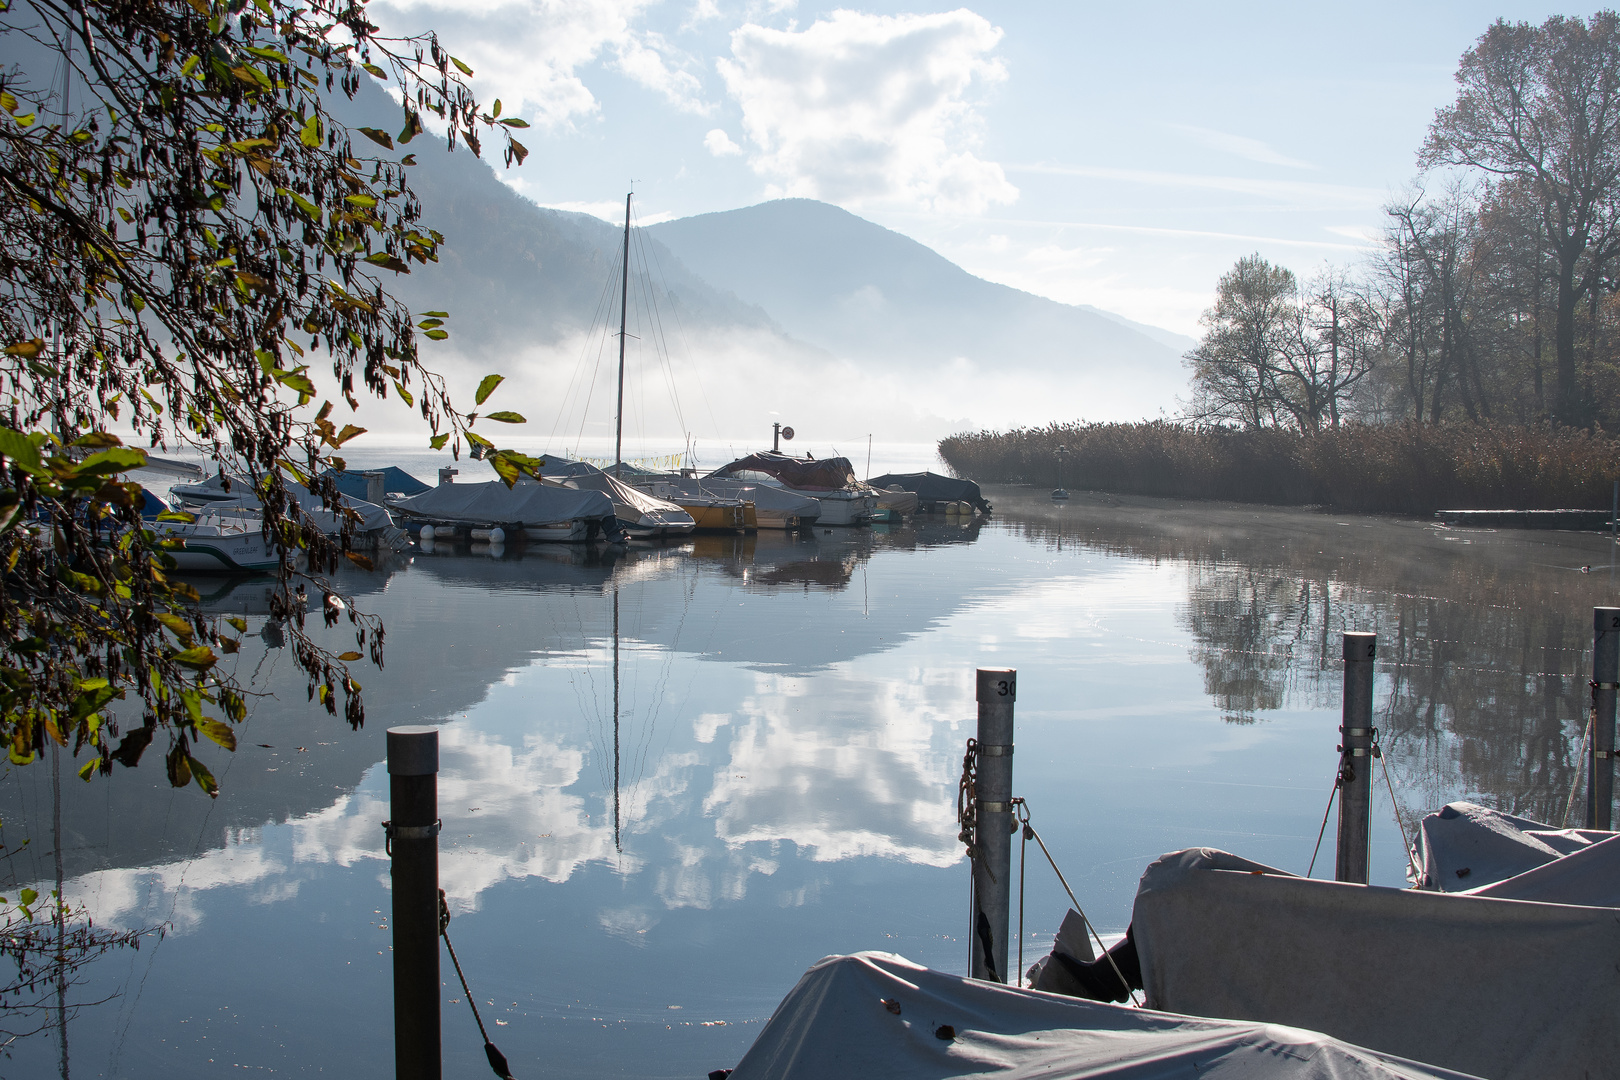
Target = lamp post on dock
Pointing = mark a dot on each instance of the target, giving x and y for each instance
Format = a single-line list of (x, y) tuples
[(1059, 492)]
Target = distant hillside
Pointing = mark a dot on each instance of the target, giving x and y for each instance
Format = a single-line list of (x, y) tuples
[(874, 296)]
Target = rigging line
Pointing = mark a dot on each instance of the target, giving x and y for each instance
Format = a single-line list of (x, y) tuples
[(596, 375), (597, 318), (680, 326), (660, 337)]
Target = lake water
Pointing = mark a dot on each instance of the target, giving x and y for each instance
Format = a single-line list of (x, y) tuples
[(632, 897)]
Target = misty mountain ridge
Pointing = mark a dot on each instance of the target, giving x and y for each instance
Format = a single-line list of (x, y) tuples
[(791, 305)]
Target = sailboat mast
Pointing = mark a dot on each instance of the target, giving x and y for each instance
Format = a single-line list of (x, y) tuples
[(624, 304), (618, 846)]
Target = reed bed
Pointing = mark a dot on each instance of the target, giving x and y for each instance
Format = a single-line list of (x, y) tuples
[(1407, 468)]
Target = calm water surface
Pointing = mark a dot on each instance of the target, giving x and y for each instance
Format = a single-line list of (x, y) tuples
[(633, 895)]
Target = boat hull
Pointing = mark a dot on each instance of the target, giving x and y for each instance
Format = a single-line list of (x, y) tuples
[(842, 508)]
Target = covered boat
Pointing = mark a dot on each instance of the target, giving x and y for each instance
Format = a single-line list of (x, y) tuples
[(1513, 979), (774, 507), (237, 501), (831, 481), (642, 516), (711, 512), (375, 485), (934, 492), (879, 1015), (529, 509)]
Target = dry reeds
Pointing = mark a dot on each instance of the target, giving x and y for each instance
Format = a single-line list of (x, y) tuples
[(1407, 468)]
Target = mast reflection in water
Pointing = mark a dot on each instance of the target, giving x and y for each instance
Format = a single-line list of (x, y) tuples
[(672, 780)]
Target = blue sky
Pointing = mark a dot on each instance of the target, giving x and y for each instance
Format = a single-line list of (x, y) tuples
[(1116, 155)]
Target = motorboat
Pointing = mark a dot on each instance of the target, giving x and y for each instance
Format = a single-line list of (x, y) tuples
[(935, 493), (774, 507), (235, 499), (712, 513), (830, 481), (216, 544), (528, 510)]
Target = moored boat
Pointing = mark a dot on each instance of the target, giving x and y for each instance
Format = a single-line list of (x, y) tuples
[(830, 481), (641, 515), (528, 510), (774, 507), (935, 493)]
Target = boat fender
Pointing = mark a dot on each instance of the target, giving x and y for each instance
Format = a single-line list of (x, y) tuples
[(426, 533), (497, 535)]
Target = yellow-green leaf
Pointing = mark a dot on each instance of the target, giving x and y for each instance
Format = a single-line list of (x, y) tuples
[(310, 133), (506, 417), (348, 656), (487, 387), (220, 733)]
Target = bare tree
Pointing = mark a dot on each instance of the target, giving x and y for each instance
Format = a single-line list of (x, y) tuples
[(1541, 106)]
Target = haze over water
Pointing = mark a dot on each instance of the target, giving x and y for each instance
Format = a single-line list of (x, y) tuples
[(792, 712)]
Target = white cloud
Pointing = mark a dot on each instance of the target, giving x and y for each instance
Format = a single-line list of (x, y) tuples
[(529, 53), (718, 143), (862, 108), (1239, 146)]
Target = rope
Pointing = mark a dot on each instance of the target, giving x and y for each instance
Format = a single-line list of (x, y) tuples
[(1580, 770), (1022, 809), (1395, 808), (497, 1060), (1338, 778)]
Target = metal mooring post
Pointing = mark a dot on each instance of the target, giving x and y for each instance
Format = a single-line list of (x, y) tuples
[(1605, 673), (413, 845), (992, 870), (1355, 758)]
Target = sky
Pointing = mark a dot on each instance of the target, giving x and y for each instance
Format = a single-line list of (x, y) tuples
[(1122, 156)]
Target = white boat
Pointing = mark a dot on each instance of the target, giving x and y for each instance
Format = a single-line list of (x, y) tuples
[(830, 481), (237, 500), (213, 544)]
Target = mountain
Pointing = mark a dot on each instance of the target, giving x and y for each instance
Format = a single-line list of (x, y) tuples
[(867, 293), (792, 310)]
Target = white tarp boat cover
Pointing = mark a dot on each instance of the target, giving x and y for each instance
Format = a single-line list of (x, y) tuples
[(1465, 848), (635, 507), (879, 1015), (1505, 989), (493, 503)]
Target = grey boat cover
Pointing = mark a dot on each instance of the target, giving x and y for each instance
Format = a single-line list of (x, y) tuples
[(493, 503), (839, 1022), (933, 488), (1465, 848), (1506, 989)]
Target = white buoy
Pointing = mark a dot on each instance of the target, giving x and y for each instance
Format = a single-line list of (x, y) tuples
[(427, 533), (497, 535)]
